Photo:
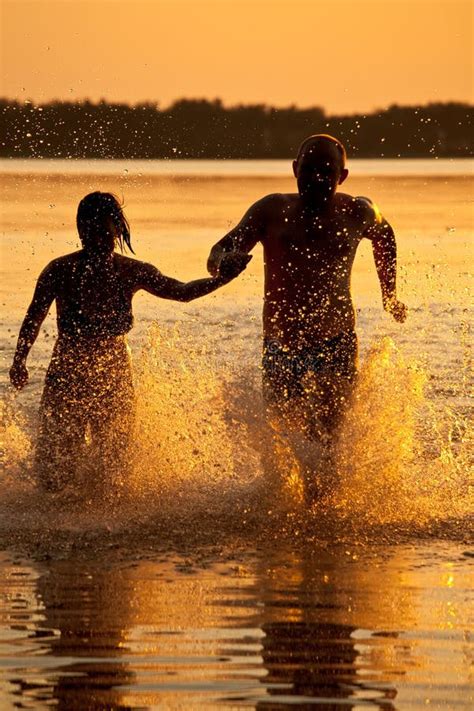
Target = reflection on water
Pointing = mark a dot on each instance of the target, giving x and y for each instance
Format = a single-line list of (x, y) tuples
[(309, 649), (335, 627)]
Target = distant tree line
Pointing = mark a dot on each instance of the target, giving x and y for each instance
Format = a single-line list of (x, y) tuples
[(198, 128)]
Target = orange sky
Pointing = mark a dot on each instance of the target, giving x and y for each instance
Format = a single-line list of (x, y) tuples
[(344, 55)]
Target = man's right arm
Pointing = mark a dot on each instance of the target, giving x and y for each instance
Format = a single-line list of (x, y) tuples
[(243, 237)]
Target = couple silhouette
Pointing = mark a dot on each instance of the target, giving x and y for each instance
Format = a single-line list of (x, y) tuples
[(309, 364)]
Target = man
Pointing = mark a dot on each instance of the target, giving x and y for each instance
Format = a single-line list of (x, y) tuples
[(310, 239)]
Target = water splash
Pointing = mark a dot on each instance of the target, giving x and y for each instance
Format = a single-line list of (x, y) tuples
[(16, 440), (189, 443), (397, 459), (377, 445), (206, 458)]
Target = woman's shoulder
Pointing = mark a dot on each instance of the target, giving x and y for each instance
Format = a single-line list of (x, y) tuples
[(60, 264), (126, 265), (132, 272), (123, 261), (136, 274), (129, 265)]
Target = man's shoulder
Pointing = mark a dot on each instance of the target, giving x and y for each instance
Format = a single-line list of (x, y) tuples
[(273, 204), (355, 201), (264, 211), (274, 200), (360, 207)]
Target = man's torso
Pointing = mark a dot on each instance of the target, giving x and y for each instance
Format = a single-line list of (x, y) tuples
[(308, 263)]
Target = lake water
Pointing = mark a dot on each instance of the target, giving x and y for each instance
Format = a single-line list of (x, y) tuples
[(208, 583)]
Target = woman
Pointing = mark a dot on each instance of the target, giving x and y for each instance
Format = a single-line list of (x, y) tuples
[(87, 399)]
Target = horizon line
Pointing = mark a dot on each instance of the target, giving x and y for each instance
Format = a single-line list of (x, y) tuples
[(218, 101)]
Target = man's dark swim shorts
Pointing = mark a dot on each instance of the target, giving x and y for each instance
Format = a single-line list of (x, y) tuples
[(284, 371)]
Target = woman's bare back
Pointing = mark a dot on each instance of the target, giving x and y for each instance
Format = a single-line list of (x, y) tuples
[(94, 296)]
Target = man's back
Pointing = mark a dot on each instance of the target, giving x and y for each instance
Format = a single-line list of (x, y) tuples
[(310, 239), (308, 261)]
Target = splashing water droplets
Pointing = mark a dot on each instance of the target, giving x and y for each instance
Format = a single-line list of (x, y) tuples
[(206, 456)]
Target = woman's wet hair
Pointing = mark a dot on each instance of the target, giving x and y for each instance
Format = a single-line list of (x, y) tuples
[(92, 214)]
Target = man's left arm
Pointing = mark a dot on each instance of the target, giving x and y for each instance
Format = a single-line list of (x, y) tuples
[(384, 247)]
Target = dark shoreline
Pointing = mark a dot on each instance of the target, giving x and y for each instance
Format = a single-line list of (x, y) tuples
[(202, 129)]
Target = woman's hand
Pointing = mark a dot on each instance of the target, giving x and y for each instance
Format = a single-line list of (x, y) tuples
[(18, 374)]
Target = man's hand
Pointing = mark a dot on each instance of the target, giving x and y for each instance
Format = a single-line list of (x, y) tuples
[(232, 264), (217, 252), (396, 308), (18, 374)]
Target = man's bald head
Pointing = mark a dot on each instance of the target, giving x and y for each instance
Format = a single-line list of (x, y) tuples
[(321, 143), (319, 168)]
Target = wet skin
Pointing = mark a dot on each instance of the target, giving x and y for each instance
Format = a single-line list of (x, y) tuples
[(93, 292), (310, 239), (89, 387)]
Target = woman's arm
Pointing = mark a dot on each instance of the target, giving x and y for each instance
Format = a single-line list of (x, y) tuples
[(43, 297), (152, 280)]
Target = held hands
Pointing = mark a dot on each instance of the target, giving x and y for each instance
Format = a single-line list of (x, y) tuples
[(18, 374), (232, 264), (396, 308)]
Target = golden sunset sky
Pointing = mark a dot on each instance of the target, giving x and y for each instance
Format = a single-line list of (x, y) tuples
[(343, 55)]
